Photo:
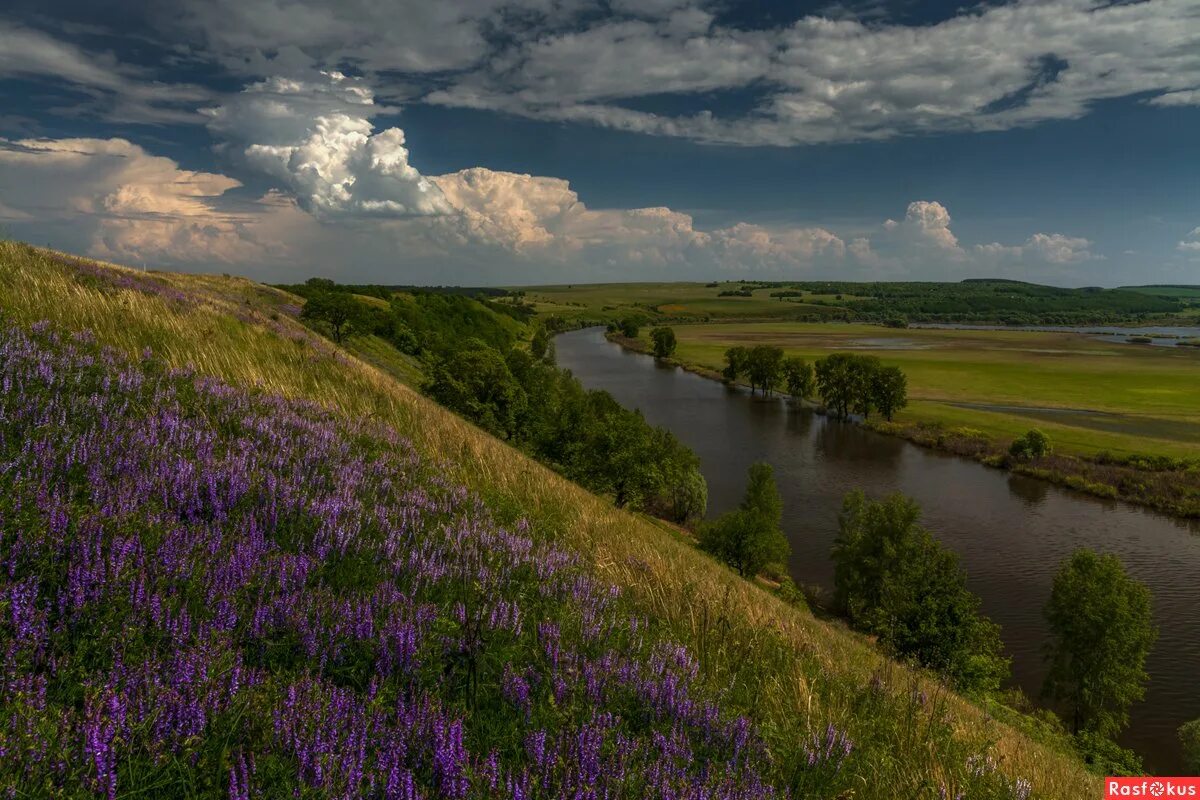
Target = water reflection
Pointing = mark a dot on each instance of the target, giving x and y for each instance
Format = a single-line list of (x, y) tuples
[(1010, 532), (1032, 492)]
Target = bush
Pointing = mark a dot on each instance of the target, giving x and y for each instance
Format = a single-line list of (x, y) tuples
[(629, 328), (1105, 757), (1189, 737), (1033, 444)]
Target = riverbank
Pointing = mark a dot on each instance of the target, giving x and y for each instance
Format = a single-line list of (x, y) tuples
[(1164, 483)]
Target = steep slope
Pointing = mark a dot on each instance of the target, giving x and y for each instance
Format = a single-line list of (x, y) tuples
[(796, 679)]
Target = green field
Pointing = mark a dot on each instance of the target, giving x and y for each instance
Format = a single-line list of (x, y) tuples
[(607, 301), (970, 301), (1088, 395)]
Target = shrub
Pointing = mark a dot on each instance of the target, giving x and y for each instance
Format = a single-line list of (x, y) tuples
[(1189, 738), (1033, 444)]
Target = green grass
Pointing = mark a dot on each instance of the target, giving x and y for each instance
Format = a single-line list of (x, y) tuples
[(789, 671), (1149, 396), (1167, 291), (672, 300)]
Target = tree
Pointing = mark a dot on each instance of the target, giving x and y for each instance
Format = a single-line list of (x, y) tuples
[(539, 345), (477, 383), (889, 391), (1189, 737), (836, 382), (1102, 630), (735, 363), (629, 328), (338, 310), (892, 579), (664, 342), (1034, 444), (862, 373), (750, 537), (799, 377), (764, 365)]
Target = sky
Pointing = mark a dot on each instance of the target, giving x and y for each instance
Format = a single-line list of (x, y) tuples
[(504, 142)]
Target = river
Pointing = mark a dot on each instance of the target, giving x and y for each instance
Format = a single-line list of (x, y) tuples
[(1010, 532)]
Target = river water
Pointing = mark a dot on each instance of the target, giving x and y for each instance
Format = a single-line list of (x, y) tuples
[(1010, 532)]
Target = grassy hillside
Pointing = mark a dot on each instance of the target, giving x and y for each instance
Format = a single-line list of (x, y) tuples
[(791, 675)]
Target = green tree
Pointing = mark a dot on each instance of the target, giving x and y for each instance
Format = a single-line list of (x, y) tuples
[(799, 377), (664, 342), (1189, 737), (1102, 631), (889, 390), (750, 538), (539, 344), (477, 383), (862, 374), (630, 328), (1034, 444), (894, 580), (764, 367), (735, 363), (836, 382), (338, 310)]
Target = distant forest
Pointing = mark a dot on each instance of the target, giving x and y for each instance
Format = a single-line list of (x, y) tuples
[(989, 300)]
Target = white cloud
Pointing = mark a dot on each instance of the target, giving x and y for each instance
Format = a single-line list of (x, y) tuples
[(114, 200), (265, 37), (1191, 242), (111, 198), (1189, 97), (924, 234), (1056, 248), (826, 80), (118, 91), (315, 136)]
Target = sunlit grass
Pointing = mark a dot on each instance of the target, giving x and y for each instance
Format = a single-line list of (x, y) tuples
[(791, 672), (1154, 389)]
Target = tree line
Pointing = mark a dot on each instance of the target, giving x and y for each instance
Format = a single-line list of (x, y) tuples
[(846, 382), (584, 434), (481, 360)]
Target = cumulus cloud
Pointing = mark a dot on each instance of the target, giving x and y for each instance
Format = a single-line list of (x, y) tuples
[(316, 137), (1055, 248), (543, 222), (114, 200), (925, 232)]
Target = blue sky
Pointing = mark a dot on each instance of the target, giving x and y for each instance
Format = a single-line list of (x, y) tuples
[(524, 141)]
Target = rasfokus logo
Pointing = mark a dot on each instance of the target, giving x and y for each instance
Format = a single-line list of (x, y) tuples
[(1151, 787)]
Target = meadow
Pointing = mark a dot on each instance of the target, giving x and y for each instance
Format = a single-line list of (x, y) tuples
[(682, 301), (974, 301), (249, 394), (1088, 395)]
